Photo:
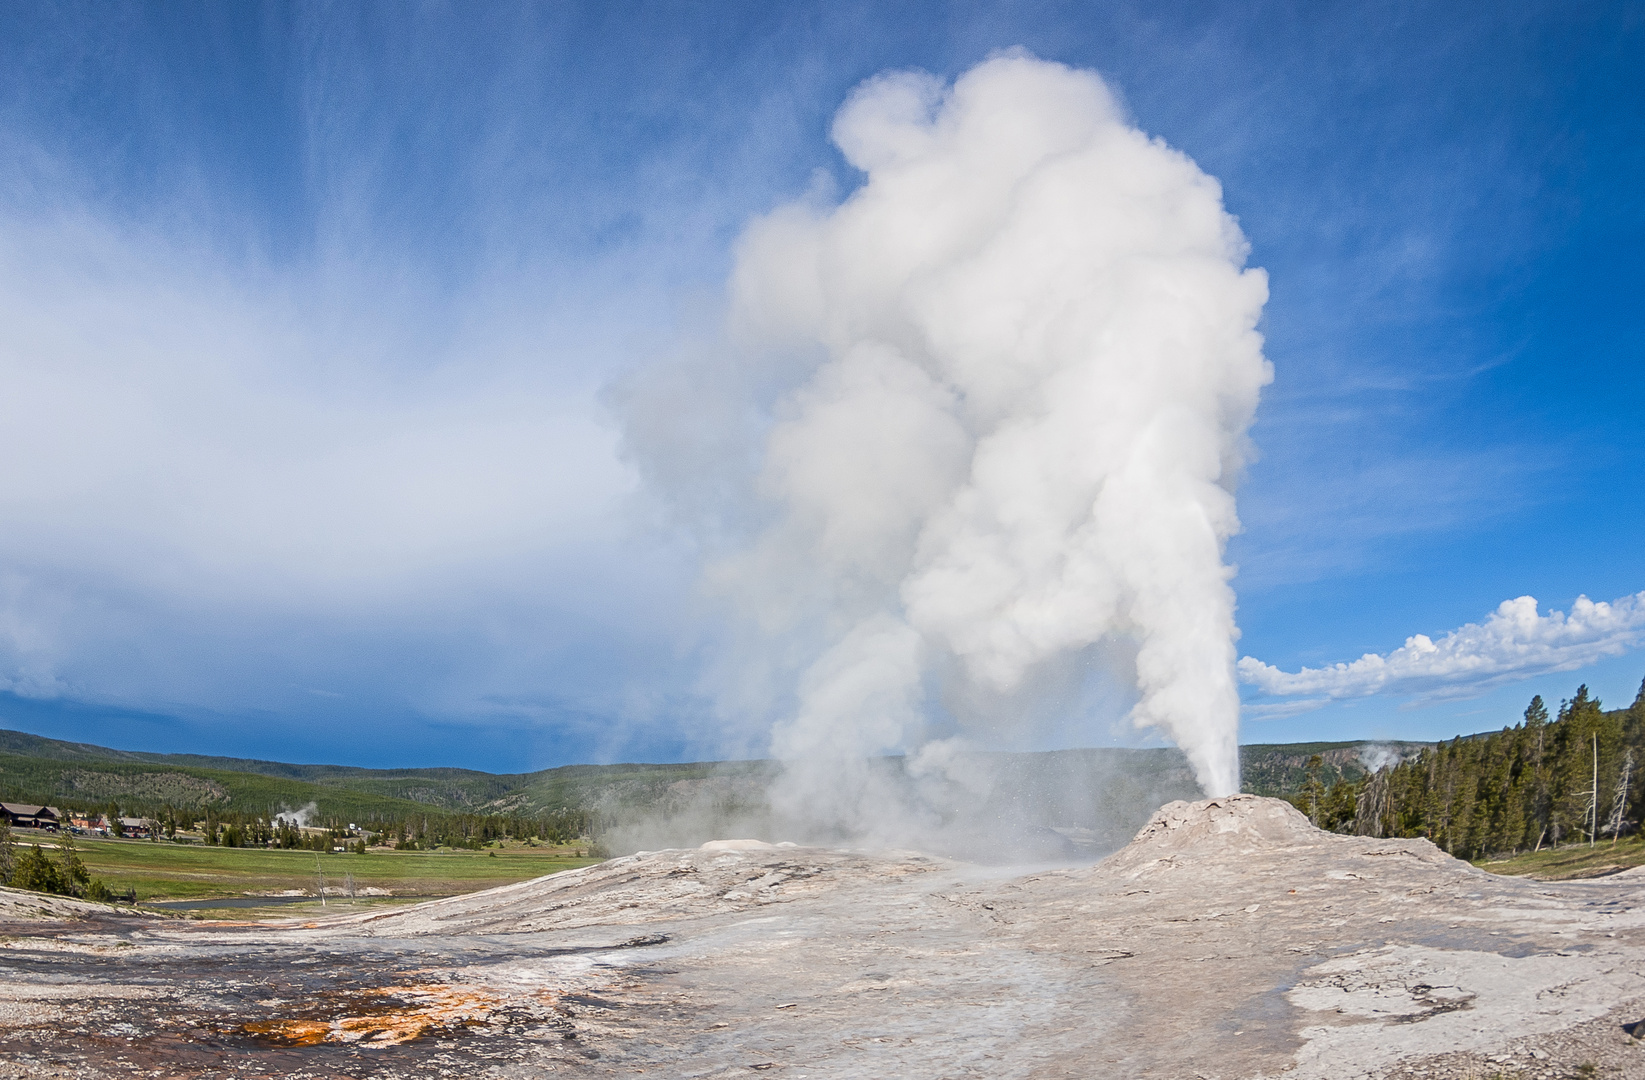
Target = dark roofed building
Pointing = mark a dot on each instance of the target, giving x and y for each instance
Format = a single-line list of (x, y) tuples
[(27, 816)]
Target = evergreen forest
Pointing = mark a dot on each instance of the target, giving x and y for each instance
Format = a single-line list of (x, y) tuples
[(1545, 781)]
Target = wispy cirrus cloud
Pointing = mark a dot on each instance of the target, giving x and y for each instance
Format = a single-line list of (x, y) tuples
[(1514, 642)]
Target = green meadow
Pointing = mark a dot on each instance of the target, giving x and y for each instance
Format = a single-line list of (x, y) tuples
[(159, 870), (1572, 860)]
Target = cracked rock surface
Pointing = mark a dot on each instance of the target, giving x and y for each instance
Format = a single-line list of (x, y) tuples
[(1229, 940)]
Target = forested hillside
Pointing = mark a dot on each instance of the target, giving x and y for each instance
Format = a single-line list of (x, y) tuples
[(1527, 785), (1540, 782), (1284, 769), (1108, 791)]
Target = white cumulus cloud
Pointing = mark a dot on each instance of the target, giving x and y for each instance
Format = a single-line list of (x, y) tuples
[(1513, 642)]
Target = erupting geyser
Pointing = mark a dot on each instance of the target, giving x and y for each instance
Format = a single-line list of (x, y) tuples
[(1026, 362)]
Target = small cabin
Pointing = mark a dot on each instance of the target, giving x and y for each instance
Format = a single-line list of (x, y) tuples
[(136, 828), (27, 816)]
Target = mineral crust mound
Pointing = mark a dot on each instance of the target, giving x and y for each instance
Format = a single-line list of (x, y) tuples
[(1229, 823), (1230, 940), (1224, 834)]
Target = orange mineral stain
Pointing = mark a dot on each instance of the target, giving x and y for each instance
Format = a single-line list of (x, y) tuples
[(428, 1007)]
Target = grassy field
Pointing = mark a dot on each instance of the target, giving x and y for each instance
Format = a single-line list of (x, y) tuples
[(1572, 860), (166, 871)]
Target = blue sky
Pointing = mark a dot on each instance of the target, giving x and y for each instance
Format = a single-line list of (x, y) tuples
[(309, 314)]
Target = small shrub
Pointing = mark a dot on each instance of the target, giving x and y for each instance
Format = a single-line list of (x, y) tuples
[(37, 872), (73, 872)]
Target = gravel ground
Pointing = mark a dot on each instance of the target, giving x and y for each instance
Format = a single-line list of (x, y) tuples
[(1229, 940)]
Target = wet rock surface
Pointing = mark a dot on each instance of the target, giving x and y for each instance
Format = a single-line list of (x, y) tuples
[(1230, 940)]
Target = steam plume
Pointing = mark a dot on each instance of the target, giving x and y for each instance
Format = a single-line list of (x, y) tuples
[(300, 818), (1376, 757), (1027, 360)]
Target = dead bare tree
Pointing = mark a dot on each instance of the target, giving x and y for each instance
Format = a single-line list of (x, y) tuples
[(1619, 800), (1590, 816), (1371, 812)]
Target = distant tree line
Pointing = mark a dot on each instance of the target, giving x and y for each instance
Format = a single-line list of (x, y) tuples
[(274, 828), (1538, 783), (409, 833)]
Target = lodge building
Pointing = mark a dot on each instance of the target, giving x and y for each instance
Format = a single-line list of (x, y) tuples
[(26, 816)]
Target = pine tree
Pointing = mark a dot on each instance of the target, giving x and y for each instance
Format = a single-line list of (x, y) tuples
[(71, 872), (1541, 799), (1527, 786), (1491, 805), (1312, 790), (36, 871), (1633, 738), (1464, 799), (1338, 807), (1512, 836)]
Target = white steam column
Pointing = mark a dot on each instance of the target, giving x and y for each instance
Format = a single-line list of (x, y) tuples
[(1033, 362)]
